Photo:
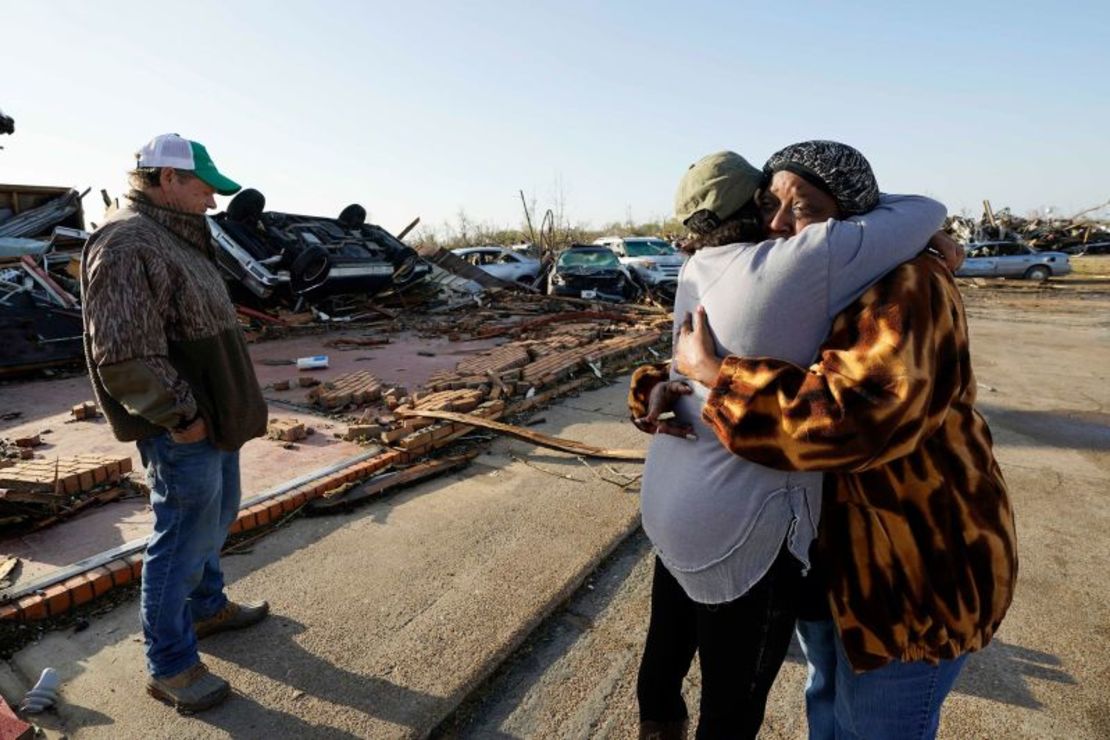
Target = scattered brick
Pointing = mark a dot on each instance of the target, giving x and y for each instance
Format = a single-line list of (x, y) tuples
[(282, 385), (363, 431), (307, 381), (84, 411), (286, 430), (32, 441), (390, 436), (411, 425), (503, 358), (462, 400)]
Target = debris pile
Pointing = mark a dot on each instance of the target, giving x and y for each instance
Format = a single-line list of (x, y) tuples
[(1070, 235), (544, 352), (42, 230)]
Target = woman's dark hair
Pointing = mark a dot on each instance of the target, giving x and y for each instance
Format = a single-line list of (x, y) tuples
[(746, 225)]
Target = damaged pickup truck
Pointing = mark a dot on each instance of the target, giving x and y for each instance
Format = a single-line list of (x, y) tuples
[(285, 257)]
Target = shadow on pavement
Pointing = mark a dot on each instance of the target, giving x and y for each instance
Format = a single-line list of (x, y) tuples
[(999, 672), (286, 662), (242, 717), (75, 717), (1082, 430)]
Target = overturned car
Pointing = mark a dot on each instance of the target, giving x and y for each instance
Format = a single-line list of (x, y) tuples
[(283, 256)]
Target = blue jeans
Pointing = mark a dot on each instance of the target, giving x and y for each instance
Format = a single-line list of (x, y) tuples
[(900, 701), (194, 491)]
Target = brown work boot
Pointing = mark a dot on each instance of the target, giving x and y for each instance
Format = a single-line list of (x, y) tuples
[(652, 730), (232, 617), (192, 690)]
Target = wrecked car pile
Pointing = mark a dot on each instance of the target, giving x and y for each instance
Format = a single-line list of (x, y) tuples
[(293, 259), (1069, 235), (320, 266), (42, 230)]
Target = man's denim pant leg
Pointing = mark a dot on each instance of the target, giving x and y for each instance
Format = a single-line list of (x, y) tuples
[(900, 701), (194, 491)]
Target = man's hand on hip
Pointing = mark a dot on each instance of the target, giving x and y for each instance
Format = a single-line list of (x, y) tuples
[(195, 432)]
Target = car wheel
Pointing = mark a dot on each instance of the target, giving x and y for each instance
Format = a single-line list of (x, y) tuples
[(352, 216), (1040, 273), (404, 266), (309, 269), (246, 207)]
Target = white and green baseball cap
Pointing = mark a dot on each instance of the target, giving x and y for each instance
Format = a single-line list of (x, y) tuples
[(171, 150)]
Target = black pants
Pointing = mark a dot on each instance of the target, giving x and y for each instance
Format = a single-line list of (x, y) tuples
[(741, 646)]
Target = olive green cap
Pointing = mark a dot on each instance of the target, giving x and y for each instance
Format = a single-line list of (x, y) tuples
[(720, 183)]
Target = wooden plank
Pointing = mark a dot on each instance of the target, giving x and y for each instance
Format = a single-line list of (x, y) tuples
[(543, 440), (387, 481)]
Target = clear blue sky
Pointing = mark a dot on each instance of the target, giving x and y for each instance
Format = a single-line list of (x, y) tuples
[(416, 108)]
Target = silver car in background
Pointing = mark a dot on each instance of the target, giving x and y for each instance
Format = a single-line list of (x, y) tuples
[(653, 261), (502, 263), (1012, 260)]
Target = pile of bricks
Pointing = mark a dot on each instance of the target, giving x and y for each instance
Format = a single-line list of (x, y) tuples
[(21, 448), (497, 361), (352, 389), (462, 400), (557, 343), (69, 476), (550, 360), (553, 367)]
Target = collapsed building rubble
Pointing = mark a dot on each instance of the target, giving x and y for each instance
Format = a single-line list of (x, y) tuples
[(1069, 235), (534, 352), (518, 350), (338, 286), (42, 230)]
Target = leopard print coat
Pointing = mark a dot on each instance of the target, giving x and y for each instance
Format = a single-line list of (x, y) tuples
[(917, 528)]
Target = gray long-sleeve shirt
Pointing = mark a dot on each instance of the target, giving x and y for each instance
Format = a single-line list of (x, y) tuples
[(717, 520)]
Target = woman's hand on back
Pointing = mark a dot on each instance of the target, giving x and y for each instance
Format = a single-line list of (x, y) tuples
[(950, 249), (695, 354)]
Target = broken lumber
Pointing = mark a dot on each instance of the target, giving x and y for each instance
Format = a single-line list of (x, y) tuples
[(542, 440), (566, 316), (387, 481)]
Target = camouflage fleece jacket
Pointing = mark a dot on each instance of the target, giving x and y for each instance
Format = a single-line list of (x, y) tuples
[(161, 337), (917, 531)]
